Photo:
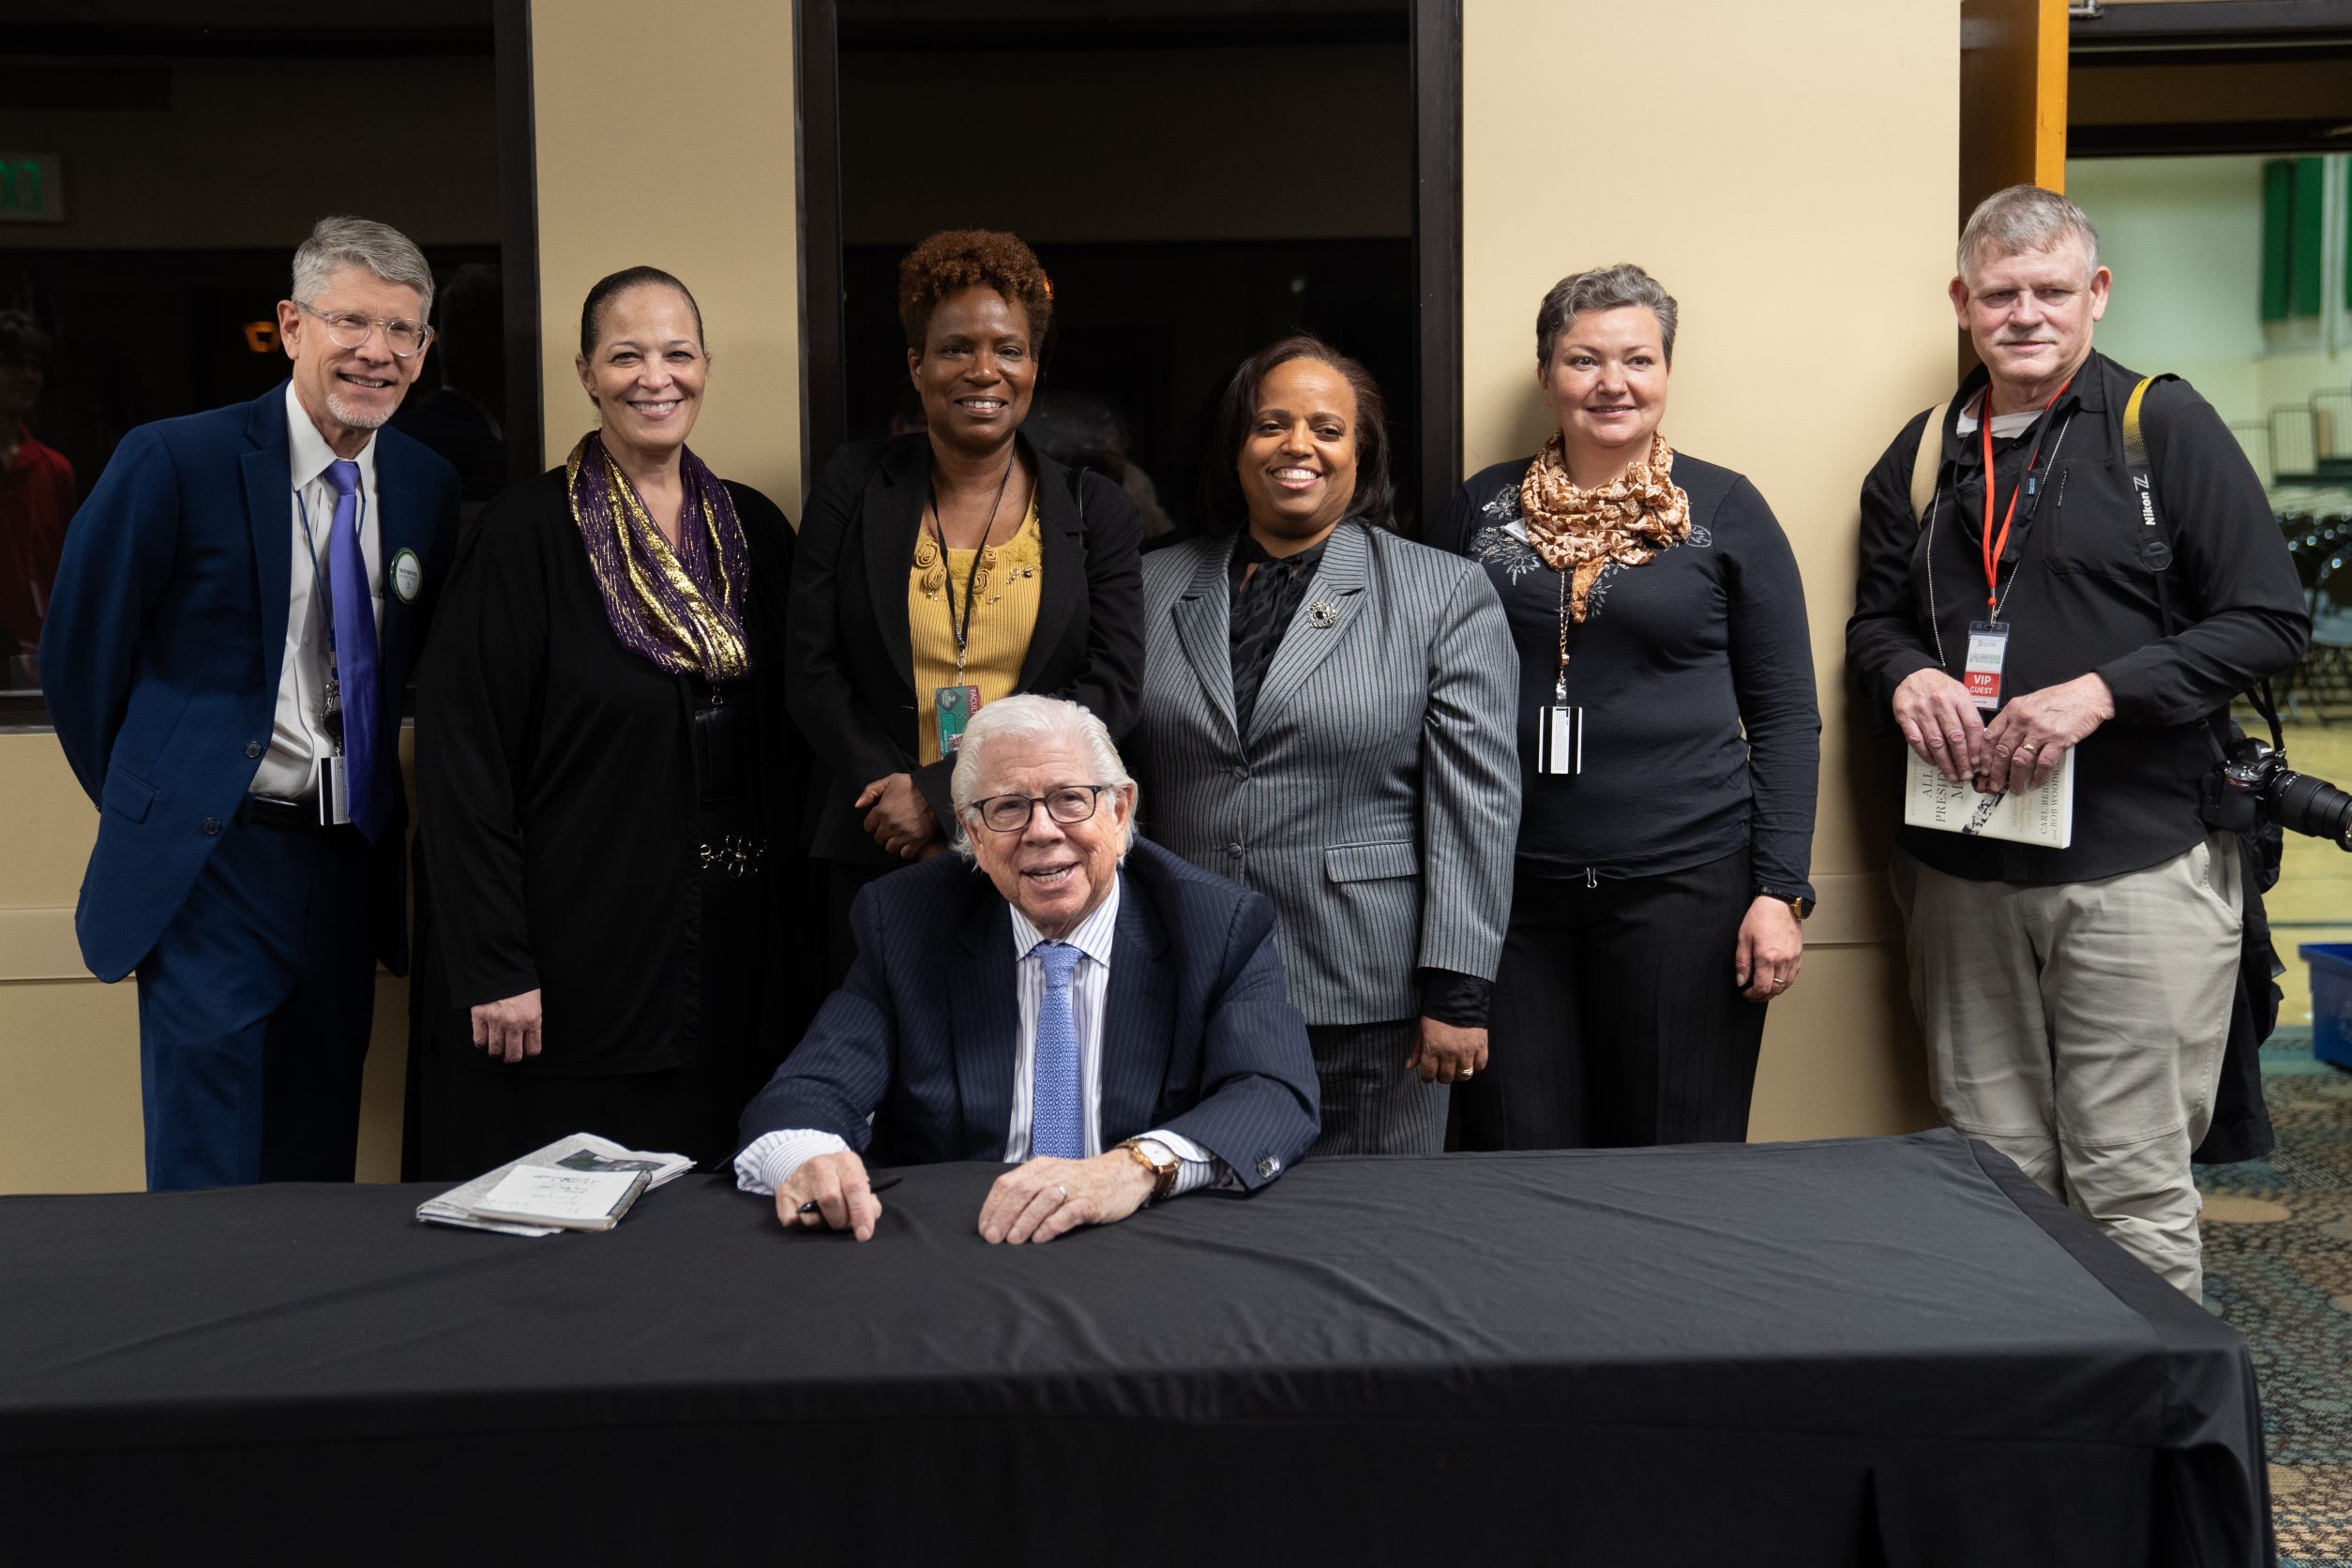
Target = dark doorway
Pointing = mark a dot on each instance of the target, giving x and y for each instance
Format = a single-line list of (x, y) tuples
[(1198, 180)]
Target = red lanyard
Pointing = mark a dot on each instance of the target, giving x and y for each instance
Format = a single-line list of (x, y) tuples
[(1995, 548)]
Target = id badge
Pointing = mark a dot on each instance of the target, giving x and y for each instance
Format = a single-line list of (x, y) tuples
[(1559, 740), (334, 791), (1988, 644), (952, 706)]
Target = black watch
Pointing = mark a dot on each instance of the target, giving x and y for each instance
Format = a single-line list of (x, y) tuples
[(1799, 906)]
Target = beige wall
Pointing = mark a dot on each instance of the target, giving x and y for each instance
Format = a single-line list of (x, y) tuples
[(1792, 178), (704, 186), (68, 1045)]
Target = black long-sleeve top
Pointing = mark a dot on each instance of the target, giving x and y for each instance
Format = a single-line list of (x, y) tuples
[(557, 788), (1695, 673), (2078, 598)]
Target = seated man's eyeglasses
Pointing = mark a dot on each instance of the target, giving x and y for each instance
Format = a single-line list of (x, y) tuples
[(351, 329), (1064, 803)]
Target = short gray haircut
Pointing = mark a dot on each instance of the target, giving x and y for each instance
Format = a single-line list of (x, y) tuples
[(380, 248), (1031, 718), (1604, 288), (2024, 218)]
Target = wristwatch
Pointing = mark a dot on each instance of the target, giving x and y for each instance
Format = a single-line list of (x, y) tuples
[(1799, 906), (1155, 1158)]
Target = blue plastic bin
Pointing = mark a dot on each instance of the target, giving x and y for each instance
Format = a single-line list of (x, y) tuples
[(2331, 1000)]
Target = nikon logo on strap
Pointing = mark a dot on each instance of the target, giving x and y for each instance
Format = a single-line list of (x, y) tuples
[(2155, 548)]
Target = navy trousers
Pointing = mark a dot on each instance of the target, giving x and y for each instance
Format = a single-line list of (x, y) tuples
[(254, 1011)]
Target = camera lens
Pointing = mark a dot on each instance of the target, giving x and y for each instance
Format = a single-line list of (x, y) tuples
[(2303, 803)]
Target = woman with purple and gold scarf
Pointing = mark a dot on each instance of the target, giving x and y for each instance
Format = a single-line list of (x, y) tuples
[(606, 782), (1669, 743)]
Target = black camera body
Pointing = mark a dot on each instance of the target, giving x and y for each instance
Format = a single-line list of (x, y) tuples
[(2252, 784)]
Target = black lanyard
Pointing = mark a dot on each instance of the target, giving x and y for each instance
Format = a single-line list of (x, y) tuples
[(962, 628)]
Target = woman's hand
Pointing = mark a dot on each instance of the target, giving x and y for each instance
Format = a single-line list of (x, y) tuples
[(508, 1028), (901, 820), (1771, 950), (1446, 1053)]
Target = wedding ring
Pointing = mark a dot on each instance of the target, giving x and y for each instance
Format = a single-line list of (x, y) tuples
[(1062, 1192), (1468, 1070), (2028, 751)]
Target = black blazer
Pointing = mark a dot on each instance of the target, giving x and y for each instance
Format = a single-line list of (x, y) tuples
[(850, 664)]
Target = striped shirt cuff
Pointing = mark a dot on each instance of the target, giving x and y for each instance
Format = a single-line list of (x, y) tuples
[(1196, 1167), (769, 1160)]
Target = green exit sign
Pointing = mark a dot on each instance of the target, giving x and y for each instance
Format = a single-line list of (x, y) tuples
[(31, 190)]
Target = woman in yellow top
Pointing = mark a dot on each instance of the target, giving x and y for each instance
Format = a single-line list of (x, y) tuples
[(946, 568)]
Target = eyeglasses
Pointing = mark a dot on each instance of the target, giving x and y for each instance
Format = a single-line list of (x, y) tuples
[(351, 330), (1067, 804)]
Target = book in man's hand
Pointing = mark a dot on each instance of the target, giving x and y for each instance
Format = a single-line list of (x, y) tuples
[(582, 1154)]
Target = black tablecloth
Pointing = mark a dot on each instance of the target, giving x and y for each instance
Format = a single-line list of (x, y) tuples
[(1857, 1352)]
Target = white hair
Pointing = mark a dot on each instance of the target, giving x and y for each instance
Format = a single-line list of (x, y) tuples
[(1031, 718), (2021, 219), (380, 248)]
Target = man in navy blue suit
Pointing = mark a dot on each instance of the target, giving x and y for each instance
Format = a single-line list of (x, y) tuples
[(232, 628), (1095, 1011)]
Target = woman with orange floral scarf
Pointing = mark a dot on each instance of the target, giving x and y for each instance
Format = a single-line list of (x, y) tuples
[(1668, 744)]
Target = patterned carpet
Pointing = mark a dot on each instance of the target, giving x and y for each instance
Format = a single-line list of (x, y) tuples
[(2278, 1268)]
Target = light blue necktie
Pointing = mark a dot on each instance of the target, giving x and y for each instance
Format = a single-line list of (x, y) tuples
[(1057, 1123)]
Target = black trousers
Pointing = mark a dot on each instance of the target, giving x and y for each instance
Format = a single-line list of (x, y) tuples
[(1616, 1021)]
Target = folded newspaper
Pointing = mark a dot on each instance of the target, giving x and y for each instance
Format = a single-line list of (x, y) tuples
[(581, 1152)]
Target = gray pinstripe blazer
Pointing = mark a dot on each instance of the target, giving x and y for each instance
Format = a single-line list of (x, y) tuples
[(1375, 798)]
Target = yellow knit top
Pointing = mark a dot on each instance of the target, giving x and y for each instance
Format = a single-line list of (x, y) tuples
[(1003, 617)]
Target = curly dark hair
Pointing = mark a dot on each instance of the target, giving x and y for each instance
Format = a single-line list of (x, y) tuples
[(954, 260), (1223, 508)]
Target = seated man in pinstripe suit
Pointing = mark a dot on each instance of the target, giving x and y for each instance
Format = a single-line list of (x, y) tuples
[(1093, 1009)]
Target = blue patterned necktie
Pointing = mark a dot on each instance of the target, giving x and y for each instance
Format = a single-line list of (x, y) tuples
[(355, 649), (1057, 1123)]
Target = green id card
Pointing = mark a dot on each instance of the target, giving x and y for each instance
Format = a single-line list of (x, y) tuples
[(954, 705)]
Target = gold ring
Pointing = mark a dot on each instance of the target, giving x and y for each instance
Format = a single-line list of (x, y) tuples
[(1468, 1070), (2024, 750)]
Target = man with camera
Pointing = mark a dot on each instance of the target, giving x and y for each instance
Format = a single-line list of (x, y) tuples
[(2089, 611)]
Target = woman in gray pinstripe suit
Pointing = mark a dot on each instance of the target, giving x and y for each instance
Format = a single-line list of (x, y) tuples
[(1327, 717)]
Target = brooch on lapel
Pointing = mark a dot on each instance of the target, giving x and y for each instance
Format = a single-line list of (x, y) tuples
[(1322, 615)]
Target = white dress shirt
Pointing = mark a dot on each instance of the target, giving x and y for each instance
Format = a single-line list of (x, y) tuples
[(289, 768), (770, 1159)]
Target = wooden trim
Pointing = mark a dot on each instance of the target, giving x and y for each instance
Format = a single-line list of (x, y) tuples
[(519, 235), (2049, 98), (825, 383), (1437, 87)]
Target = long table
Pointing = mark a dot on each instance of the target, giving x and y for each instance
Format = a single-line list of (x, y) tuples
[(1866, 1351)]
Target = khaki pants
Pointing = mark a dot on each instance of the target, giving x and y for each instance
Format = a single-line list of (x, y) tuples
[(2079, 1028)]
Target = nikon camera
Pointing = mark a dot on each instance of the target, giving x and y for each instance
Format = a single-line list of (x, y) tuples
[(2252, 784)]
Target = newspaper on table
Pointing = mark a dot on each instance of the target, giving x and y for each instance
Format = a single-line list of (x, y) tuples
[(580, 1151), (2044, 815)]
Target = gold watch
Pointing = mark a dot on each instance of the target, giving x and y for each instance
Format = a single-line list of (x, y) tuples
[(1162, 1169)]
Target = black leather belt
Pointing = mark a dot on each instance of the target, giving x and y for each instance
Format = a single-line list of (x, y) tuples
[(294, 815)]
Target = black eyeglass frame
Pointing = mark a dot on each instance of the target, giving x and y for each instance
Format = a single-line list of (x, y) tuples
[(978, 810)]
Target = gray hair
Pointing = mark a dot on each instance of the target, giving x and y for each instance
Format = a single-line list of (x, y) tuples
[(380, 248), (1604, 288), (1031, 718), (2024, 218)]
